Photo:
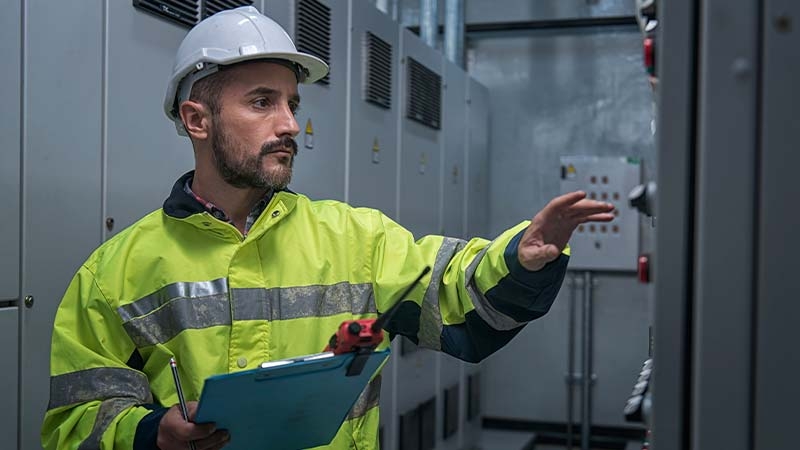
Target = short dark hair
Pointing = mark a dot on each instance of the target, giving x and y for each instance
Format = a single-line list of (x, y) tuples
[(208, 89)]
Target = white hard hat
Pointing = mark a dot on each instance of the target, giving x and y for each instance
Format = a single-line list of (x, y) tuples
[(228, 37)]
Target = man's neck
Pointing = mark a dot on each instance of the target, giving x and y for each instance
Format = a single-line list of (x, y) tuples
[(235, 202)]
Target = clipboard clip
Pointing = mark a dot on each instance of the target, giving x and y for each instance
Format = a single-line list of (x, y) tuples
[(363, 336)]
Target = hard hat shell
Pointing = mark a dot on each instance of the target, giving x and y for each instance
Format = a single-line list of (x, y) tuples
[(229, 37)]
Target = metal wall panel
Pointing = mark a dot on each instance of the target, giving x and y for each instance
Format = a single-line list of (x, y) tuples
[(672, 263), (454, 112), (319, 171), (144, 154), (584, 93), (372, 147), (10, 22), (9, 322), (62, 129), (779, 243), (724, 286), (420, 148), (477, 161), (553, 93)]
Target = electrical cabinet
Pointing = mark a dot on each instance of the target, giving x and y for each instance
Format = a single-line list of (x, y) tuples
[(477, 162), (454, 154), (10, 152), (144, 153), (62, 144), (420, 136), (319, 27), (374, 109)]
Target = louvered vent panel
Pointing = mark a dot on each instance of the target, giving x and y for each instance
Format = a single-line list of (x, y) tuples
[(182, 12), (313, 29), (211, 7), (424, 95), (377, 71)]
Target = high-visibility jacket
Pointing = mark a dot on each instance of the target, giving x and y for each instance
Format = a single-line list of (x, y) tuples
[(181, 283)]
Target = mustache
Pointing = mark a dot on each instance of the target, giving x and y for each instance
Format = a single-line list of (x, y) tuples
[(285, 142)]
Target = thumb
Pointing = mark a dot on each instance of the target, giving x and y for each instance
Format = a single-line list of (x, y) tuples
[(535, 258)]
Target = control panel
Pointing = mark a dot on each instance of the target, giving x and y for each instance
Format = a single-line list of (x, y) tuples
[(604, 246)]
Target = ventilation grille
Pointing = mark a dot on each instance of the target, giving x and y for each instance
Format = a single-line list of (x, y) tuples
[(182, 12), (313, 29), (211, 7), (424, 95), (377, 71)]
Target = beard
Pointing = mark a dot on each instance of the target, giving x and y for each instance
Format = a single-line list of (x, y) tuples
[(248, 170)]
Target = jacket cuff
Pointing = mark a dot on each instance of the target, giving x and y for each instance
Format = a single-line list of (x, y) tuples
[(552, 272), (147, 430)]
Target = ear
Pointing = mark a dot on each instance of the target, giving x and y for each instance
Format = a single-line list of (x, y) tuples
[(196, 119)]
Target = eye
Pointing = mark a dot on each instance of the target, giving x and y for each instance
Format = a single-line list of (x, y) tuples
[(261, 102), (295, 107)]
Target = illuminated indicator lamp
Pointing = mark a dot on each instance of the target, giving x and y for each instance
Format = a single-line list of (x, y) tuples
[(650, 56)]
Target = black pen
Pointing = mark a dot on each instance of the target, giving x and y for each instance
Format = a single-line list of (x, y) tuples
[(181, 400)]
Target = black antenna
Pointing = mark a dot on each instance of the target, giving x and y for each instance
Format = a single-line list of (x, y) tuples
[(378, 324)]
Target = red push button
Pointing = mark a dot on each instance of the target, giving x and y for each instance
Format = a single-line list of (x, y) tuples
[(643, 268), (650, 56)]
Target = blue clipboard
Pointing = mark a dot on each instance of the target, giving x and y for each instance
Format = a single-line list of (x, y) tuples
[(288, 405)]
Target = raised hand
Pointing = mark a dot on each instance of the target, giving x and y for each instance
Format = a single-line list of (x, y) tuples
[(551, 228)]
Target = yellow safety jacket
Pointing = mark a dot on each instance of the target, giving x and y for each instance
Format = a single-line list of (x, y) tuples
[(181, 283)]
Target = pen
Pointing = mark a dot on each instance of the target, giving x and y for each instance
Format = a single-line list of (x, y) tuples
[(181, 400)]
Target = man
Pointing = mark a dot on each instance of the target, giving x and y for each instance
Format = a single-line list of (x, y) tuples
[(236, 270)]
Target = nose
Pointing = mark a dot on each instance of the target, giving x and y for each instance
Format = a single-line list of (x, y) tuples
[(287, 123)]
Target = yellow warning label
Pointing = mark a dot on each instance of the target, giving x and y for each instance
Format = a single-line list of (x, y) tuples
[(375, 146), (309, 128)]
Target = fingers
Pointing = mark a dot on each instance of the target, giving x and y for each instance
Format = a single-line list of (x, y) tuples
[(586, 208), (603, 217), (566, 200), (174, 427), (217, 440)]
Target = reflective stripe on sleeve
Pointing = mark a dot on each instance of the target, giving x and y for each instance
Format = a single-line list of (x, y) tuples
[(108, 410), (99, 384), (483, 307), (430, 318)]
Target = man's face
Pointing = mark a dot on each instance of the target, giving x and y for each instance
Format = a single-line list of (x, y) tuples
[(252, 137)]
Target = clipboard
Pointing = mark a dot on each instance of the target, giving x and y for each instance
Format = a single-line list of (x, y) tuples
[(286, 405)]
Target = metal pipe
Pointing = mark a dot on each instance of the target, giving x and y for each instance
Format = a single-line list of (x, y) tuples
[(586, 353), (570, 378), (429, 21), (454, 31)]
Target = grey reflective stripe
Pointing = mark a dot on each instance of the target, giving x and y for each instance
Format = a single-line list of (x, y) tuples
[(106, 414), (190, 289), (430, 317), (303, 301), (98, 384), (159, 317), (369, 398), (485, 310), (180, 314)]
